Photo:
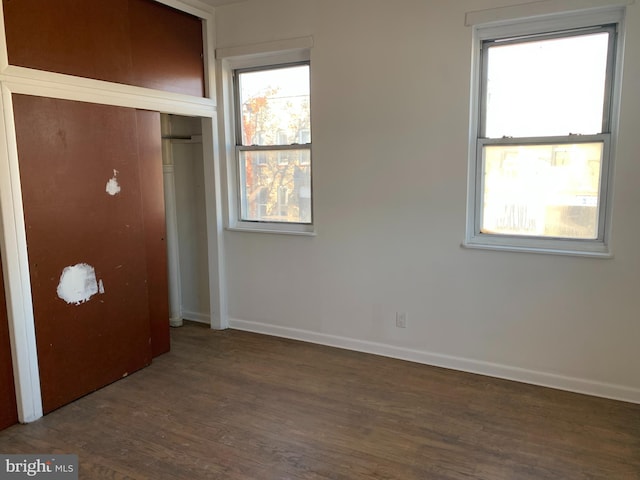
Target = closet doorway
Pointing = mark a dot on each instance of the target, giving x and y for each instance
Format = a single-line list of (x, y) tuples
[(185, 204)]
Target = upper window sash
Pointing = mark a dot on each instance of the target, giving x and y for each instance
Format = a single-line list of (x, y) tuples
[(237, 96), (503, 40)]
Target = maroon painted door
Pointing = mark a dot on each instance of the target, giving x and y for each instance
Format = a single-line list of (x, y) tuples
[(8, 411), (92, 239), (151, 189)]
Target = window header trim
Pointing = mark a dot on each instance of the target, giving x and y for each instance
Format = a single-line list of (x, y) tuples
[(266, 48), (521, 27), (527, 11)]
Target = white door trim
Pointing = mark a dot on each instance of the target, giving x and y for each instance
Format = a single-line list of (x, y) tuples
[(16, 269)]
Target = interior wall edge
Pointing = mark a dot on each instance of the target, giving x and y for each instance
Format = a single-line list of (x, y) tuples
[(218, 298), (506, 372)]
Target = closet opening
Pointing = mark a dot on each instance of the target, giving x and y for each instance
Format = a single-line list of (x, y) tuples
[(185, 207)]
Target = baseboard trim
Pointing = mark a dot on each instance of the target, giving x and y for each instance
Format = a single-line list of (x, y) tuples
[(196, 317), (543, 379)]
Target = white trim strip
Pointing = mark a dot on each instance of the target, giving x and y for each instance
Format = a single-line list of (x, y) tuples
[(215, 224), (193, 7), (544, 379), (67, 87), (300, 43), (538, 9), (307, 230), (17, 278), (480, 243)]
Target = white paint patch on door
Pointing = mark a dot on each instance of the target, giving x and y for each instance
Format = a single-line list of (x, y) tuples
[(78, 284), (113, 188)]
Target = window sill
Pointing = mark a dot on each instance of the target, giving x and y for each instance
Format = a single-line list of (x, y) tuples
[(273, 228), (595, 250)]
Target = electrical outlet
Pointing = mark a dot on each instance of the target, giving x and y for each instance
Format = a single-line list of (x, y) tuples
[(401, 319)]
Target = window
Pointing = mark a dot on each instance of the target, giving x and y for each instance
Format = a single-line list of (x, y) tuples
[(272, 105), (543, 128)]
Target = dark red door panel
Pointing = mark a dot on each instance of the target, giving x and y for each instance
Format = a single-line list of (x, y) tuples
[(76, 37), (134, 42), (166, 48), (150, 158), (81, 187)]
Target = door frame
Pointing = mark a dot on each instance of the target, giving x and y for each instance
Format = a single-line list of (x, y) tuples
[(13, 242)]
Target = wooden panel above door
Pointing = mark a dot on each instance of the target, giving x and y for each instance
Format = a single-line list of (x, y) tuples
[(166, 48), (134, 42)]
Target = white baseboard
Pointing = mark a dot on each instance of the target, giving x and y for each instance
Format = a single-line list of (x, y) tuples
[(196, 317), (544, 379)]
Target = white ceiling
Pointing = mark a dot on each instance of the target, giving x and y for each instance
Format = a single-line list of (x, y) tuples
[(217, 3)]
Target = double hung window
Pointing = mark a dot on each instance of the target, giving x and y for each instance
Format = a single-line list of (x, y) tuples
[(273, 144), (544, 118)]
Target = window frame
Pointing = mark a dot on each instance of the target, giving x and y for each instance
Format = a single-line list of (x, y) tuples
[(531, 29), (256, 57)]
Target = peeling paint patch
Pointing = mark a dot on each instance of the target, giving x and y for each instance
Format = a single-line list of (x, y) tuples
[(113, 188), (78, 284)]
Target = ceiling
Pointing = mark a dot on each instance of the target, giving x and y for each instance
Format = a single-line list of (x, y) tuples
[(217, 3)]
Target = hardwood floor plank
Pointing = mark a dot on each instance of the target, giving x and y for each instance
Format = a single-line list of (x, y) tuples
[(236, 405)]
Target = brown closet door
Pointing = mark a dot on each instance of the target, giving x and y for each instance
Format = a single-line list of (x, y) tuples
[(8, 410), (150, 161), (81, 186)]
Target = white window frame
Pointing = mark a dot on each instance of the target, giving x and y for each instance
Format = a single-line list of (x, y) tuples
[(531, 25), (281, 52)]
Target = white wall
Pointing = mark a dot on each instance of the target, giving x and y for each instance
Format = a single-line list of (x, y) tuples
[(390, 116)]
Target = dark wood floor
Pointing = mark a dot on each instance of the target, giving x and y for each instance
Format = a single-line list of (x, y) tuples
[(235, 405)]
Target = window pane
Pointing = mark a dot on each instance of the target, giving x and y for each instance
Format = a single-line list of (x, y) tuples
[(542, 190), (274, 105), (546, 87), (275, 185)]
